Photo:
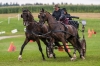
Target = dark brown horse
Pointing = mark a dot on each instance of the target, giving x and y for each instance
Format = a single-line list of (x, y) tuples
[(61, 32), (32, 30)]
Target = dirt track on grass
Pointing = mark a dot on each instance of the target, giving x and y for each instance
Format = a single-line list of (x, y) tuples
[(5, 37)]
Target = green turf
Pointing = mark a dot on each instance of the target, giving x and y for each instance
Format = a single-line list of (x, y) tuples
[(13, 24), (31, 55)]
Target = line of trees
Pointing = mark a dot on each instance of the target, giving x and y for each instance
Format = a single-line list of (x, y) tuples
[(7, 4), (16, 4), (36, 8)]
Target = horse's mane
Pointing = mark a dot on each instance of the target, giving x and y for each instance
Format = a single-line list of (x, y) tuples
[(31, 14), (48, 12), (51, 15)]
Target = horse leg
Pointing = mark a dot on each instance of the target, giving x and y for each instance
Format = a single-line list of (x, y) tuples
[(47, 47), (57, 44), (45, 42), (80, 49), (81, 53), (64, 44), (40, 48), (74, 53), (22, 47), (52, 54), (73, 44)]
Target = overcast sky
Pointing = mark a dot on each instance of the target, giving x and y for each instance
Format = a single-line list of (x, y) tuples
[(96, 2)]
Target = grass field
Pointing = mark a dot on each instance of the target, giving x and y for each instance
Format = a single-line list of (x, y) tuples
[(31, 55)]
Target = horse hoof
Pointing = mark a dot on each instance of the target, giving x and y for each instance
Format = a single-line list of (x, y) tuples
[(43, 59), (20, 57), (74, 56), (72, 59), (83, 57), (51, 55)]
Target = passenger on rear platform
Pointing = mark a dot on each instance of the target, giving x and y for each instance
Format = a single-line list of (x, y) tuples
[(67, 19)]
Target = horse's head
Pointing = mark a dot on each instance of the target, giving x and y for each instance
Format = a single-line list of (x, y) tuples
[(42, 16), (27, 17)]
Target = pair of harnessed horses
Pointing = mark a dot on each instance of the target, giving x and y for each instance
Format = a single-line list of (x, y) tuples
[(56, 31)]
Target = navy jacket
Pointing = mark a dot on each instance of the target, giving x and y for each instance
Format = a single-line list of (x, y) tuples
[(58, 14)]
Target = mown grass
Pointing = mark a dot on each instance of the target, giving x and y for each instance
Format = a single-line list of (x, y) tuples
[(31, 55), (13, 24)]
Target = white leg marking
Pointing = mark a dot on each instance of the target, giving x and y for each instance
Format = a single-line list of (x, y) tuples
[(20, 57), (74, 56), (83, 57), (51, 55), (72, 59)]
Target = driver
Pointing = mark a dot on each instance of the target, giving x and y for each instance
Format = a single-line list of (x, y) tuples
[(58, 13)]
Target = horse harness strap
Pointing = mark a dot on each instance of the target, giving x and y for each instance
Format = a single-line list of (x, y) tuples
[(65, 26), (64, 31), (31, 21), (30, 32)]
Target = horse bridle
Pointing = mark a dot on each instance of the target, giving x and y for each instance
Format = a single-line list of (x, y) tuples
[(26, 22)]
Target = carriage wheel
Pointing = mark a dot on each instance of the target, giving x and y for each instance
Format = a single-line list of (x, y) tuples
[(47, 52), (83, 42)]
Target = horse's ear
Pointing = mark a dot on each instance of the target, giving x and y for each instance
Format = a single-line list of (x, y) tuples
[(23, 9), (42, 9), (21, 16)]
